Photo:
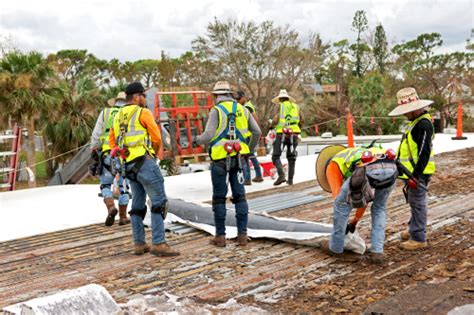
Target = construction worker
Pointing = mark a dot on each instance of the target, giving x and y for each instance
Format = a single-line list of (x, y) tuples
[(356, 176), (243, 100), (104, 168), (228, 122), (135, 138), (416, 163), (288, 123)]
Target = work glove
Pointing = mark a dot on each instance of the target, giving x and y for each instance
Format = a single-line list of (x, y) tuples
[(412, 183)]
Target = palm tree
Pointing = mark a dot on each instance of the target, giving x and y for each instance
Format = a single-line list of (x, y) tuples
[(28, 88), (71, 125)]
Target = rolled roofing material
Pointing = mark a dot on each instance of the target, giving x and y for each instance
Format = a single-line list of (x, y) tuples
[(200, 216)]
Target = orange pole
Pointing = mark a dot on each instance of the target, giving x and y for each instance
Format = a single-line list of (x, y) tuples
[(459, 124), (350, 132)]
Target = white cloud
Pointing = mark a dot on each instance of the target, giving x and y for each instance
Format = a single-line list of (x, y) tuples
[(131, 30)]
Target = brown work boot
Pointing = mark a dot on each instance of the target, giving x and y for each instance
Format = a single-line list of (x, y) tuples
[(404, 235), (324, 245), (248, 183), (374, 258), (413, 245), (280, 180), (163, 249), (242, 239), (109, 202), (257, 179), (218, 240), (123, 215), (140, 249)]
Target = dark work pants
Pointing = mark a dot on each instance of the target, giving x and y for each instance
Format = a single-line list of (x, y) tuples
[(219, 194), (419, 211), (291, 154)]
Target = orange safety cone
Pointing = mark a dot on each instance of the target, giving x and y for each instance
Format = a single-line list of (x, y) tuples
[(459, 124), (350, 132)]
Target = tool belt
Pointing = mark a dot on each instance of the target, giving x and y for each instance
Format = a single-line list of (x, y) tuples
[(386, 165)]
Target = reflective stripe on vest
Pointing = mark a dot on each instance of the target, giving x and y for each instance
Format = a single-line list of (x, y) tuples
[(289, 117), (407, 152), (136, 137), (345, 158), (221, 136), (108, 115)]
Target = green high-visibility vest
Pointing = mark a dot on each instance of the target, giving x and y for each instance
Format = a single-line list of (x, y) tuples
[(133, 135), (221, 136), (408, 150), (289, 117)]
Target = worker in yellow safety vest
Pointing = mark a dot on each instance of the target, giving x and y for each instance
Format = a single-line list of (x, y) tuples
[(355, 177), (416, 163), (104, 166), (241, 97), (288, 123), (227, 127), (135, 138)]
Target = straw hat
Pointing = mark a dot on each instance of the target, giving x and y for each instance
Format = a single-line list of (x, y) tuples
[(283, 93), (324, 157), (221, 87), (408, 101), (120, 96)]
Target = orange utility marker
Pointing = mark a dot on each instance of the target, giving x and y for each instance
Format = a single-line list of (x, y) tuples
[(459, 124)]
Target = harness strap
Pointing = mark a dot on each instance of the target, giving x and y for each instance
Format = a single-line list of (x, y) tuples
[(225, 133)]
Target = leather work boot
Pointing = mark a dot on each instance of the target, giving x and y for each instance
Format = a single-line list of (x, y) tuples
[(324, 245), (280, 180), (123, 215), (257, 179), (374, 258), (413, 245), (163, 249), (140, 249), (248, 183), (242, 239), (109, 202), (218, 240), (289, 182), (404, 235)]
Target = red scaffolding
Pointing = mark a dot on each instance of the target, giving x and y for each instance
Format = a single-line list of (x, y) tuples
[(186, 112)]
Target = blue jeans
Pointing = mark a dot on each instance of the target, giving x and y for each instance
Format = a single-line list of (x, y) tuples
[(149, 182), (107, 180), (342, 210), (256, 166), (219, 193)]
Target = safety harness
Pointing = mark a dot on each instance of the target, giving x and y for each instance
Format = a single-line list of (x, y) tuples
[(232, 133)]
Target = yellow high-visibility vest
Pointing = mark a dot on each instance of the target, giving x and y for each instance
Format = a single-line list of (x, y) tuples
[(130, 133), (108, 115), (289, 117), (221, 137), (345, 158), (407, 152)]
